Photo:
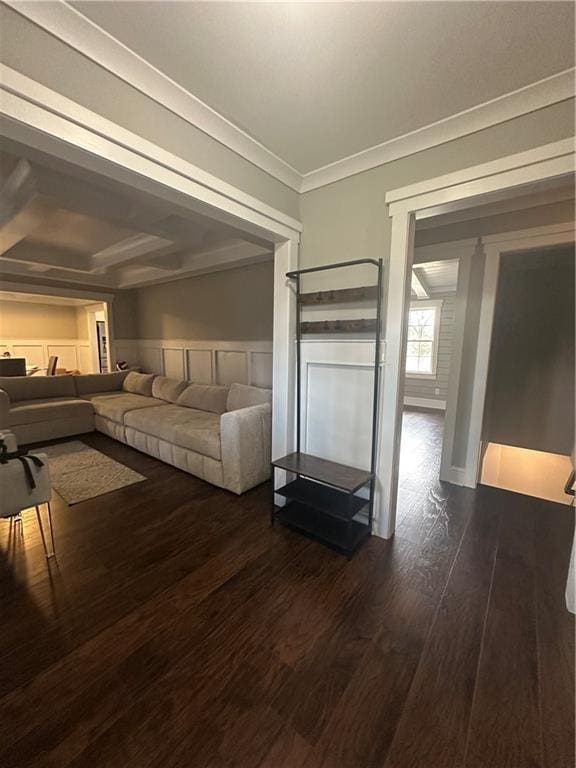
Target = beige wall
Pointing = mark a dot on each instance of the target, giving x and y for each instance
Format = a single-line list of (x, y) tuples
[(35, 53), (235, 304), (28, 320)]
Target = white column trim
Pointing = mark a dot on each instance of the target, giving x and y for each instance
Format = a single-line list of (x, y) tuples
[(392, 384)]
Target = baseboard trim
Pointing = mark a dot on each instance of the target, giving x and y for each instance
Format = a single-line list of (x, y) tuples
[(426, 402), (454, 475)]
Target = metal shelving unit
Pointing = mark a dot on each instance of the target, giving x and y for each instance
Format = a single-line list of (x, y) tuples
[(323, 501)]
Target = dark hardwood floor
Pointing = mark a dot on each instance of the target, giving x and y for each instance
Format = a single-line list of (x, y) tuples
[(177, 629)]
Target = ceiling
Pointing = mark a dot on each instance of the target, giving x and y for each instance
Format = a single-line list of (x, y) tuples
[(435, 278), (66, 224), (318, 82)]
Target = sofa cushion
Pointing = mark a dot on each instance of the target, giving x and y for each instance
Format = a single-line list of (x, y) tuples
[(51, 409), (188, 428), (99, 382), (168, 389), (243, 396), (115, 405), (20, 388), (139, 383), (204, 397)]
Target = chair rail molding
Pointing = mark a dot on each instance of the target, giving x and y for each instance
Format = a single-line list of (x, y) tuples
[(80, 33)]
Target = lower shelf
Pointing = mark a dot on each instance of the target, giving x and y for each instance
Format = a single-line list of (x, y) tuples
[(344, 537)]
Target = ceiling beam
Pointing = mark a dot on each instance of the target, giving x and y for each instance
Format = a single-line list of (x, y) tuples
[(132, 248), (228, 255), (419, 286)]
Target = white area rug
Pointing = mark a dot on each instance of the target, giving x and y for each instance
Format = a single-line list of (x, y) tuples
[(79, 472)]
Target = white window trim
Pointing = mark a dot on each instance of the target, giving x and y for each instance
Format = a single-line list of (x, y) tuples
[(437, 305)]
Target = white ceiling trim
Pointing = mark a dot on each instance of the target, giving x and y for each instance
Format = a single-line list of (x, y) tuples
[(543, 93), (77, 31), (83, 35), (28, 103)]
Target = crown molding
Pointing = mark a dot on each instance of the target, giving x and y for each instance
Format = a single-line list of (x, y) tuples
[(551, 90), (84, 36), (80, 33), (26, 104)]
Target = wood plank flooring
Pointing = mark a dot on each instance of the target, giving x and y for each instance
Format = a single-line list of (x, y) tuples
[(178, 630)]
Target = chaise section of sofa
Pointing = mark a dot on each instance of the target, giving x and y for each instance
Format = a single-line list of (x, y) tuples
[(220, 434), (39, 408)]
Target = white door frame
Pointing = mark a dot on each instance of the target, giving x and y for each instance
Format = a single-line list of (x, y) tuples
[(39, 117), (461, 189), (463, 250), (494, 247)]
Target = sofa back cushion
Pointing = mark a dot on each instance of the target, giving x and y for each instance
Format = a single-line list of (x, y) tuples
[(168, 389), (90, 383), (20, 388), (204, 397), (243, 396), (139, 383)]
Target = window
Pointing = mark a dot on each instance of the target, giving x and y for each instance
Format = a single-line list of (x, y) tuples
[(423, 330)]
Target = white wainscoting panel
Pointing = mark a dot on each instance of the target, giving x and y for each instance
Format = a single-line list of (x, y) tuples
[(35, 354), (205, 362), (151, 359), (73, 354), (337, 397), (66, 354), (231, 367), (261, 369), (200, 366), (173, 363), (84, 357)]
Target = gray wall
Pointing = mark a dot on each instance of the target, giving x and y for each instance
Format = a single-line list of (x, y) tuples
[(414, 387), (348, 219), (232, 305), (530, 397), (544, 215)]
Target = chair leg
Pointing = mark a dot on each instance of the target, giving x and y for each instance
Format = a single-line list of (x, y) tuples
[(39, 516), (51, 529)]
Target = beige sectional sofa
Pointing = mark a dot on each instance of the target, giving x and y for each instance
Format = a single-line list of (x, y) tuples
[(220, 434)]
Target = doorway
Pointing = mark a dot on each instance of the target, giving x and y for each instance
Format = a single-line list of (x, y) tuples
[(528, 425), (428, 351)]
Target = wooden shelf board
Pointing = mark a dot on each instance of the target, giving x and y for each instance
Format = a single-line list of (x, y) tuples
[(341, 295), (332, 473), (362, 325)]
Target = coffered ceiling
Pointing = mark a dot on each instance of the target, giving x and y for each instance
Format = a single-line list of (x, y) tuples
[(57, 223)]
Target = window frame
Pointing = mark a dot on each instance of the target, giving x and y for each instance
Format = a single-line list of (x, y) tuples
[(435, 304)]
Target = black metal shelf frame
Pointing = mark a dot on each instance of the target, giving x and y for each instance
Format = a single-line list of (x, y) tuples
[(316, 491)]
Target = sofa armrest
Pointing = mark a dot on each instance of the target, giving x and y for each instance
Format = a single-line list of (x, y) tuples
[(246, 440), (4, 410)]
